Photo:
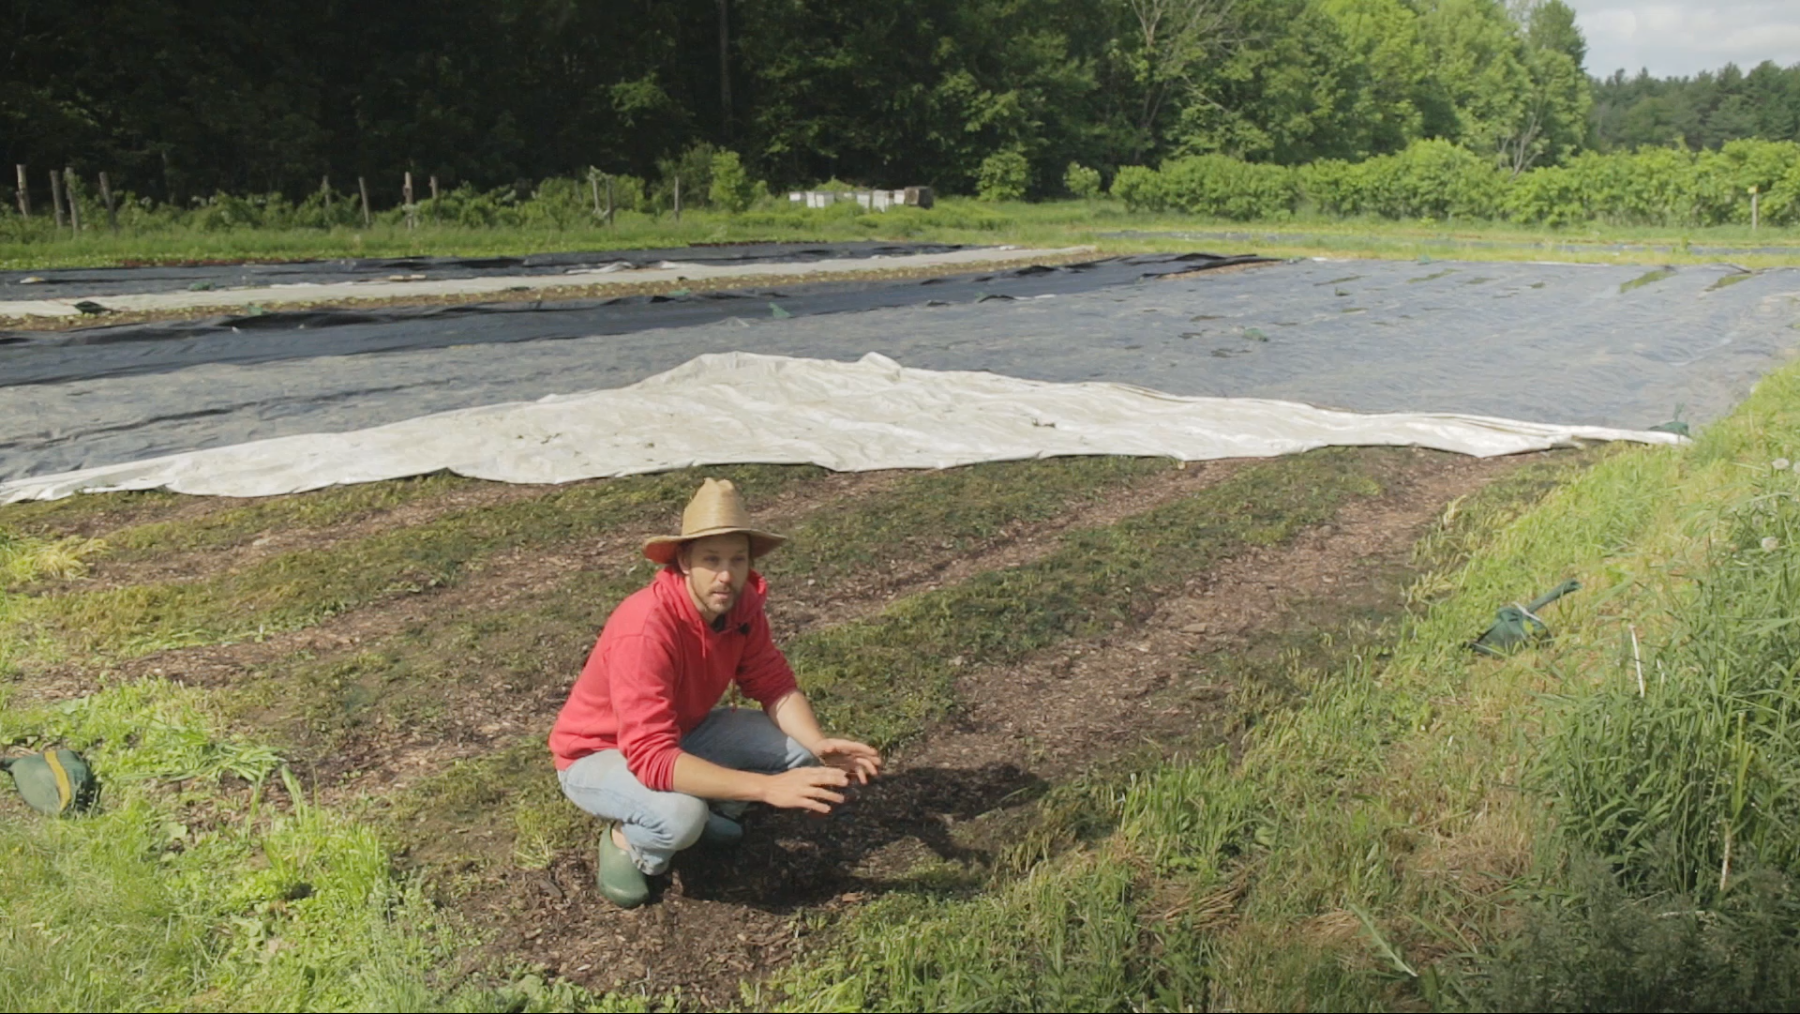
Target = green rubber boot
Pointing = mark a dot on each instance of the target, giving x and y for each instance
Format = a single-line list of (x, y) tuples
[(621, 881), (721, 832)]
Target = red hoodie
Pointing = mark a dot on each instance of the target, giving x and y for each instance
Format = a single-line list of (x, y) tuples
[(658, 670)]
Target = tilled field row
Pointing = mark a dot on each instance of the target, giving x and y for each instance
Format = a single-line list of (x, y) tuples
[(1009, 624)]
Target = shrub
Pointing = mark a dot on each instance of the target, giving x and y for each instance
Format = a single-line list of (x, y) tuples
[(1082, 181), (1549, 195), (694, 167), (1437, 179), (1140, 187), (559, 203), (732, 188), (1225, 187), (1004, 176), (1782, 206), (1335, 187), (1723, 178), (470, 208)]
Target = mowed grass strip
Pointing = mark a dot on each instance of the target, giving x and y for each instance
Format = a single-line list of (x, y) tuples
[(90, 514), (248, 520), (139, 526), (889, 676), (934, 512), (296, 589)]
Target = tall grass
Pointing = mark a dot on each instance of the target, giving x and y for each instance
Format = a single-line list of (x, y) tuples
[(1695, 767), (1430, 827), (1106, 223), (1673, 774)]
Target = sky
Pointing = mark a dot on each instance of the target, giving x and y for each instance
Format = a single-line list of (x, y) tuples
[(1684, 37)]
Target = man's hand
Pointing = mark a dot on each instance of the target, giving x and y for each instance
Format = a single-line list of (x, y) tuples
[(857, 760), (806, 789)]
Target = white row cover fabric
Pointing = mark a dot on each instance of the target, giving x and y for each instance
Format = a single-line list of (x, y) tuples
[(739, 408), (487, 285)]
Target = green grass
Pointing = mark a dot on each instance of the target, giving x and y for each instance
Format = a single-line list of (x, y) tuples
[(237, 525), (1152, 852), (299, 588), (184, 894), (25, 559), (1647, 278), (90, 514), (206, 880), (1378, 845), (955, 220), (958, 509), (890, 675), (1670, 766)]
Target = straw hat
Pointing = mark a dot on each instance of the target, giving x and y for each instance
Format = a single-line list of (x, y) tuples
[(715, 510)]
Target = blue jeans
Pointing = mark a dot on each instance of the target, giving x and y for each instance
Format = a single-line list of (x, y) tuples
[(659, 824)]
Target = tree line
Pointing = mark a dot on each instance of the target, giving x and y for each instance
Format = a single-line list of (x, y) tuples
[(182, 100)]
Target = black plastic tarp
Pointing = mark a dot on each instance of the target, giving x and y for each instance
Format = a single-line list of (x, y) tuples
[(54, 356), (60, 282), (1608, 345)]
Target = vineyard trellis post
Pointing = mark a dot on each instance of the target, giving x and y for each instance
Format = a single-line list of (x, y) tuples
[(106, 196), (56, 197), (69, 195)]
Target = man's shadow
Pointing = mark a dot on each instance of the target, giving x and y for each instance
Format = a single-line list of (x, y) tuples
[(790, 859)]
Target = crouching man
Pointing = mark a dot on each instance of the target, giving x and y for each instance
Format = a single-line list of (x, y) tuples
[(641, 743)]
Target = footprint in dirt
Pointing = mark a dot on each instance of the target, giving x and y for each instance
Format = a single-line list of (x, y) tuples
[(788, 859)]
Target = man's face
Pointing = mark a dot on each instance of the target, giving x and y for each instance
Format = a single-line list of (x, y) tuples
[(716, 568)]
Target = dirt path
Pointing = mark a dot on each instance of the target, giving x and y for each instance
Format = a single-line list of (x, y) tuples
[(726, 917)]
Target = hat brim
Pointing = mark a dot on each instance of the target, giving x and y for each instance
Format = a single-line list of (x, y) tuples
[(662, 548)]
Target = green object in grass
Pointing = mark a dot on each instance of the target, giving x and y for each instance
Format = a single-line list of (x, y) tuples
[(56, 782), (1516, 624)]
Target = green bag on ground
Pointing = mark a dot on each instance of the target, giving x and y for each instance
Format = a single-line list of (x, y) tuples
[(56, 782)]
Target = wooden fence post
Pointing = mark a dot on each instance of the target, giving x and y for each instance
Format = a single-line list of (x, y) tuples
[(609, 200), (362, 184), (69, 195), (325, 189), (112, 213), (1753, 196), (406, 191), (24, 194), (56, 197), (677, 198)]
